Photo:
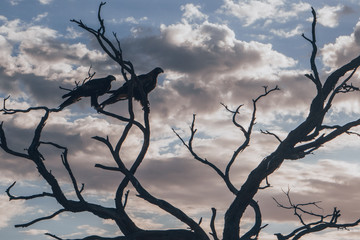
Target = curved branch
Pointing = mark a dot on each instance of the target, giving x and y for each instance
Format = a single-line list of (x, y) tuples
[(311, 227), (114, 53), (93, 237), (212, 224), (314, 78), (255, 230), (144, 194), (4, 146), (326, 138), (230, 186), (12, 197), (247, 133), (41, 219)]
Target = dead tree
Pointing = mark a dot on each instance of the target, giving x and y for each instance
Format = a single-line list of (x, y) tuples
[(301, 141), (307, 137)]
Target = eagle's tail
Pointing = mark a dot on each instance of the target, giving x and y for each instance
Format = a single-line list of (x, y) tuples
[(114, 99), (68, 102), (67, 95)]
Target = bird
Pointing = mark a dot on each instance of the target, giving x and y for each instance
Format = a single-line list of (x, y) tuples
[(93, 88), (148, 81)]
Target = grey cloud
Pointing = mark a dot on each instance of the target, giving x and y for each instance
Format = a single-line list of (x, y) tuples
[(40, 90), (357, 34), (188, 59), (343, 50), (183, 180), (8, 84)]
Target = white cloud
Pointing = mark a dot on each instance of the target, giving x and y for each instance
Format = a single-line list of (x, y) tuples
[(15, 2), (217, 46), (131, 20), (39, 17), (192, 12), (45, 1), (10, 210), (282, 33), (342, 50), (328, 16), (34, 232), (271, 10), (91, 230), (72, 33), (29, 49), (18, 31), (3, 18)]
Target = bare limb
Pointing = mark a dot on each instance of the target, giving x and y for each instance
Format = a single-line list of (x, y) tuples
[(315, 78), (164, 205), (41, 219), (267, 185), (4, 103), (126, 198), (311, 227), (12, 197), (272, 134), (4, 146), (113, 52), (247, 133), (93, 237), (235, 113), (212, 224), (255, 230), (202, 160), (340, 88), (5, 110), (311, 146)]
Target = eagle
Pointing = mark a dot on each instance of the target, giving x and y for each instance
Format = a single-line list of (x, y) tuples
[(93, 88), (148, 81)]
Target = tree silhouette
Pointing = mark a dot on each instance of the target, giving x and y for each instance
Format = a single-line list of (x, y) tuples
[(307, 137)]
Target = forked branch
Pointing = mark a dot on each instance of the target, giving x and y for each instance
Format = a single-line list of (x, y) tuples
[(311, 227)]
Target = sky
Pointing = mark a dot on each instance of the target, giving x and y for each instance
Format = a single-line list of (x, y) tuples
[(212, 52)]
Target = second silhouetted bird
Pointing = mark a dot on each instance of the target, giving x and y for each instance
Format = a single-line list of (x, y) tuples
[(93, 88), (148, 82)]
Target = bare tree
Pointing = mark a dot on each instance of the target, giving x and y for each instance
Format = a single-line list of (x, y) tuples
[(307, 137)]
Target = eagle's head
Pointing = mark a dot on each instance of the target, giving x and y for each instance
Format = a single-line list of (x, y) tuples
[(158, 70), (111, 78)]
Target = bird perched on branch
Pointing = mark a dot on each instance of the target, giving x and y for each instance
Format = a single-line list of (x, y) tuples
[(148, 81), (93, 88)]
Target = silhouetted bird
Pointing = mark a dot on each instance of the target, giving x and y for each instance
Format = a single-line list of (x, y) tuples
[(148, 82), (93, 88)]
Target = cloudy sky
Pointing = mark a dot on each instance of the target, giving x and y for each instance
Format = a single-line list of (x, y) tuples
[(212, 52)]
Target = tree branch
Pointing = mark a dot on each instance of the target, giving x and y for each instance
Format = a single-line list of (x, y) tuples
[(315, 78), (202, 160), (12, 197), (272, 134), (41, 219), (212, 224), (255, 230), (164, 205), (4, 146), (311, 227), (68, 169), (247, 133)]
